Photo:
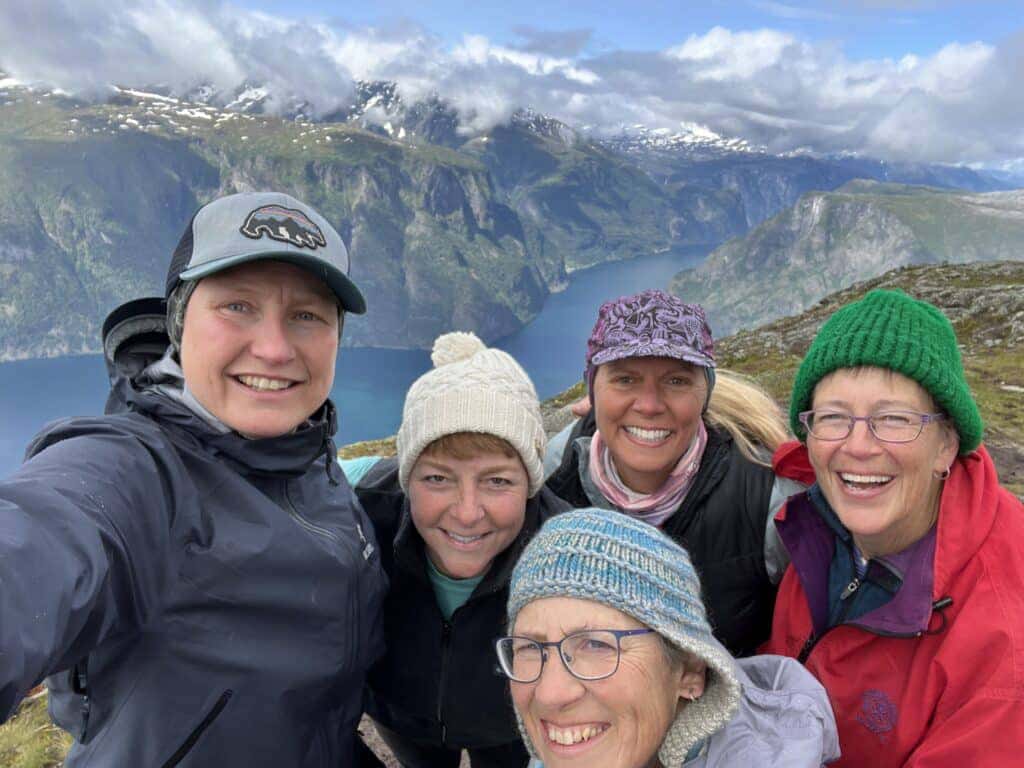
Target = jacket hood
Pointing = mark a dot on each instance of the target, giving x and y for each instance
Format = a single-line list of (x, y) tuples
[(785, 718), (790, 460)]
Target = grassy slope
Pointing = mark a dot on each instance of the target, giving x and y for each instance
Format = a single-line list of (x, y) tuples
[(30, 740)]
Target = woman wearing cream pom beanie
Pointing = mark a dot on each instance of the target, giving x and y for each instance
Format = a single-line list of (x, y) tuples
[(453, 511)]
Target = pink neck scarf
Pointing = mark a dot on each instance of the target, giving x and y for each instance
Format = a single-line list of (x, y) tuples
[(653, 508)]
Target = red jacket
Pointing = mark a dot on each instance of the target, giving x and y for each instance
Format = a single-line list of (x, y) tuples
[(940, 688)]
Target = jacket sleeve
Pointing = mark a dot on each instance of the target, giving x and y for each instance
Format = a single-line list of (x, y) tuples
[(556, 449), (356, 469), (985, 732), (84, 535)]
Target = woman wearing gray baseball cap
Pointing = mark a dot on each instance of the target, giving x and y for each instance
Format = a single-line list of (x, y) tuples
[(191, 571)]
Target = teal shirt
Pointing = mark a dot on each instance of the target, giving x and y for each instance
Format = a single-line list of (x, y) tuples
[(450, 593)]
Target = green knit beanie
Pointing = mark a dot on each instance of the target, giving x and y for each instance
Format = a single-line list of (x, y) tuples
[(889, 329)]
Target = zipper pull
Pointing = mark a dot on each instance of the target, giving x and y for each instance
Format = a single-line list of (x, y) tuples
[(367, 546), (850, 588), (806, 650)]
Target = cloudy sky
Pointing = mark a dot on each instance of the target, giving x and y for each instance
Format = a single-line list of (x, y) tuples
[(931, 80)]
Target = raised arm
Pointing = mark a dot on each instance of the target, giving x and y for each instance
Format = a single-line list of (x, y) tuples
[(84, 533)]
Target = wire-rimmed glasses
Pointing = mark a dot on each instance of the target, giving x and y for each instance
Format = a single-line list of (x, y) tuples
[(887, 426), (591, 654)]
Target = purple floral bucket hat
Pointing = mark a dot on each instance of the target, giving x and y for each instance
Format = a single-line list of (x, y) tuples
[(649, 324)]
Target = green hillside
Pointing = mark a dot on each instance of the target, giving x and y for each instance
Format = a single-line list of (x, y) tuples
[(984, 301)]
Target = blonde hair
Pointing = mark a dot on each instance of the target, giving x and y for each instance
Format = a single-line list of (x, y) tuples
[(742, 407)]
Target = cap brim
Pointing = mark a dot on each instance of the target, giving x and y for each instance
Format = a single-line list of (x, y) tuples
[(686, 354), (350, 297)]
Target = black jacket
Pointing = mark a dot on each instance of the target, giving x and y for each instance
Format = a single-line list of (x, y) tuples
[(199, 599), (438, 683), (721, 523)]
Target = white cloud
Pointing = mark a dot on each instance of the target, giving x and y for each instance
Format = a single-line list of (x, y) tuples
[(960, 104)]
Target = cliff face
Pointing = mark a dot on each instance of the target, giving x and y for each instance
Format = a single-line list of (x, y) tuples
[(81, 229), (830, 240), (94, 197)]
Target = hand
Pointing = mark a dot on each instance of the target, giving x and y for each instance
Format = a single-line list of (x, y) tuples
[(581, 407)]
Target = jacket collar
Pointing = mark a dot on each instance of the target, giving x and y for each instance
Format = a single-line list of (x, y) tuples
[(158, 390), (926, 568)]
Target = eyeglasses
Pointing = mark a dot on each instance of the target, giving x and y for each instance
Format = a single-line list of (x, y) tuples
[(592, 654), (887, 426)]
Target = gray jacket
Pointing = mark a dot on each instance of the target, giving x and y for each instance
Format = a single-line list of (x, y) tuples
[(785, 720), (198, 599)]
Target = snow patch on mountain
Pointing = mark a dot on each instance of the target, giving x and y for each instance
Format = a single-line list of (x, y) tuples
[(691, 140)]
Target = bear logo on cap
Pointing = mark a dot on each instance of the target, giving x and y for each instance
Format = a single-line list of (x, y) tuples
[(284, 224)]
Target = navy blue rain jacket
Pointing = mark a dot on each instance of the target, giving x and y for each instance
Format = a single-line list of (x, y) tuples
[(198, 599)]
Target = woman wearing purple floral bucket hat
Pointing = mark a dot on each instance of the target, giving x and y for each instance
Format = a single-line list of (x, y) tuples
[(659, 446)]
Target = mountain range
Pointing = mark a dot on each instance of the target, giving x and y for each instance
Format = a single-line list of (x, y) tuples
[(446, 230)]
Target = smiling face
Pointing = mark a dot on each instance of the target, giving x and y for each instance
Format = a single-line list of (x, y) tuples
[(258, 346), (467, 510), (647, 410), (886, 494), (617, 722)]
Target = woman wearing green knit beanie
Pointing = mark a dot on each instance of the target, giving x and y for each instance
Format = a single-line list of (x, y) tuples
[(904, 591)]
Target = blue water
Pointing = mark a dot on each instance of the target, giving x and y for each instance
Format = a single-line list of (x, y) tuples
[(370, 384)]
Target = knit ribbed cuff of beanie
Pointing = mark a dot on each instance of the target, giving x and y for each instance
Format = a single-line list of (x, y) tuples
[(472, 410)]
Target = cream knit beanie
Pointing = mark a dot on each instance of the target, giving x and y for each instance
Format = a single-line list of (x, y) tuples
[(472, 389)]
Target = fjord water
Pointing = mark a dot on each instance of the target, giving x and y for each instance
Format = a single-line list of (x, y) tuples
[(370, 384)]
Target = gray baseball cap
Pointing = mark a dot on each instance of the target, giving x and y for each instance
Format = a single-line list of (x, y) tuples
[(251, 226)]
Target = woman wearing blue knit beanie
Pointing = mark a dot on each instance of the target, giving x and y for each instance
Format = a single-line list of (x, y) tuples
[(904, 594), (612, 663)]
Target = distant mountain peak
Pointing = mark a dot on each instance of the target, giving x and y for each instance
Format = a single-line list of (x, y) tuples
[(692, 140)]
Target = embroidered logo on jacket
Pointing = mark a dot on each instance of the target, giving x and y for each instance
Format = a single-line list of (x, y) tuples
[(877, 713), (284, 224)]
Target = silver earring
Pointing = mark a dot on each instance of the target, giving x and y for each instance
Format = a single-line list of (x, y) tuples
[(942, 475)]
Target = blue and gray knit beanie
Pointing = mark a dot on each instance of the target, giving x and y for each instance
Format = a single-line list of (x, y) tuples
[(612, 559)]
